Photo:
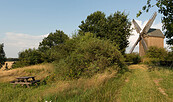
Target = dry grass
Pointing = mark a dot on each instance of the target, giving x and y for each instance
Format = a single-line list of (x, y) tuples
[(137, 66), (39, 71), (83, 83), (43, 70)]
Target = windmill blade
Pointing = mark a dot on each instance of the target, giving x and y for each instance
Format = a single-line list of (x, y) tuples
[(137, 27), (135, 44), (144, 44), (149, 23)]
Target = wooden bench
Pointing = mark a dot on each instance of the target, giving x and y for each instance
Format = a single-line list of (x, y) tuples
[(27, 80)]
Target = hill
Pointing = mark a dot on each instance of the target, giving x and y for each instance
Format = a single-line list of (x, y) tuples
[(141, 83)]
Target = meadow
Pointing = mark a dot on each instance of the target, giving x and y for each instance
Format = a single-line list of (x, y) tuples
[(141, 83)]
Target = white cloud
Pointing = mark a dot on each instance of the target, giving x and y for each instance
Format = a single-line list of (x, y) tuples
[(16, 42), (135, 35)]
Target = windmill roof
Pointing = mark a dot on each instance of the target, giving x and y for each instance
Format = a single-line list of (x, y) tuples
[(155, 33)]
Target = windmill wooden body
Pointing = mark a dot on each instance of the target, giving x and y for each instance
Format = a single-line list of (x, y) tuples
[(148, 37)]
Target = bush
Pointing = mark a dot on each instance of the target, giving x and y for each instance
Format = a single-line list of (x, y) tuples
[(155, 52), (91, 55), (59, 51), (151, 61), (157, 56), (132, 58), (28, 57)]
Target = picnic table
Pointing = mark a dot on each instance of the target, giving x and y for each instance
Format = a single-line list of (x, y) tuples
[(26, 80)]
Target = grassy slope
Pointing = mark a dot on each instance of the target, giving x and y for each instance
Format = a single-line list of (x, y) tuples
[(137, 85)]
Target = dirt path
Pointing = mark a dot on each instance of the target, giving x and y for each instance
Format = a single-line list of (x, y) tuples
[(140, 87)]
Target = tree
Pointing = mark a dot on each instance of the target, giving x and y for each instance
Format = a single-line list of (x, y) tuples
[(165, 7), (2, 55), (53, 39), (28, 57), (95, 23), (115, 27), (118, 29)]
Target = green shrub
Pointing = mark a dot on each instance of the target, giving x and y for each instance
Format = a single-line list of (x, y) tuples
[(151, 61), (156, 55), (133, 58), (169, 56), (28, 57), (155, 52), (91, 55), (59, 51)]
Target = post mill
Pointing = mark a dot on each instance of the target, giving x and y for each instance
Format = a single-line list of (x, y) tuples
[(148, 36)]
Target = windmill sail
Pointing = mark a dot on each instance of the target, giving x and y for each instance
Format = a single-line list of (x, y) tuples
[(135, 45), (137, 27), (144, 44), (149, 23)]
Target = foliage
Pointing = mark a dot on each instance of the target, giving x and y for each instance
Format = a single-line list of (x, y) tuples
[(28, 57), (170, 56), (133, 58), (91, 55), (57, 46), (164, 7), (151, 61), (115, 27), (53, 39), (2, 55), (50, 49), (155, 52), (59, 51), (157, 56)]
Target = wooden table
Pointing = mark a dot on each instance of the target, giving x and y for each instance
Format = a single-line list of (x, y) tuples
[(27, 80)]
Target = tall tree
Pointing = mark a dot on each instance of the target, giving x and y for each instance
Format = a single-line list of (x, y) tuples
[(118, 29), (2, 55), (95, 23), (165, 7), (53, 39), (115, 27)]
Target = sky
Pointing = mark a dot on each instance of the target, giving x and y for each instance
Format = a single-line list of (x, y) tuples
[(24, 23)]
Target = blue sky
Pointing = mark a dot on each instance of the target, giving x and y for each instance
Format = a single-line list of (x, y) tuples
[(23, 23)]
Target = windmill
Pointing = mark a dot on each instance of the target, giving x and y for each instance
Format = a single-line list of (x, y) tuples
[(143, 33)]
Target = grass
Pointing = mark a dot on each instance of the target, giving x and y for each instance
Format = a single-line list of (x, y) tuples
[(39, 71), (141, 88), (82, 89), (163, 77), (138, 85), (100, 90)]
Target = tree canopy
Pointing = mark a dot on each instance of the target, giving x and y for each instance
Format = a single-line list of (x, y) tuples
[(2, 55), (53, 39), (115, 27), (165, 7)]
